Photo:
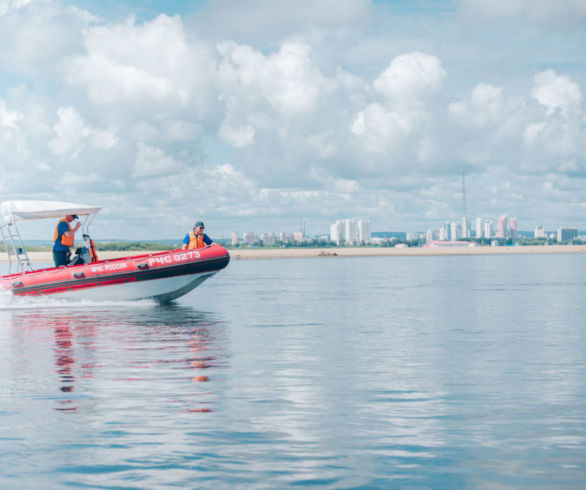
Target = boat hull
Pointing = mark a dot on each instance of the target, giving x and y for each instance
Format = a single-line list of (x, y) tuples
[(163, 276)]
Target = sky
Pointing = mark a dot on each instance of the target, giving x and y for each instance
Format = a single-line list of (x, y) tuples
[(254, 115)]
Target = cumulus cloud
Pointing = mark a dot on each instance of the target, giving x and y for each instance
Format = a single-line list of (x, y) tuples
[(153, 162), (485, 105), (410, 75), (239, 137), (557, 92), (130, 63), (380, 128), (8, 119), (287, 80), (554, 140), (37, 36), (532, 132), (8, 5), (387, 126), (73, 136)]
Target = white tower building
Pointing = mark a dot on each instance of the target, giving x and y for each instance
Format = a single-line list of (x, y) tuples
[(478, 227), (488, 229)]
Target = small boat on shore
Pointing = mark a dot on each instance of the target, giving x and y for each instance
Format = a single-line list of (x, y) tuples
[(162, 276)]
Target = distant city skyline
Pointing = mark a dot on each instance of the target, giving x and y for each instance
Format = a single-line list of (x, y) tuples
[(353, 231)]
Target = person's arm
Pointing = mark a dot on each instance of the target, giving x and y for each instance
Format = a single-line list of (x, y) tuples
[(185, 242), (207, 240), (71, 232)]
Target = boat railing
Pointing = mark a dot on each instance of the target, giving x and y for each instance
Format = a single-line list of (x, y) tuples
[(17, 255)]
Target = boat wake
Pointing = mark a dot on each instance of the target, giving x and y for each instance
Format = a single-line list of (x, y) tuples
[(8, 301)]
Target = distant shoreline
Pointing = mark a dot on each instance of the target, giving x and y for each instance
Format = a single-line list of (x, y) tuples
[(289, 253), (248, 254)]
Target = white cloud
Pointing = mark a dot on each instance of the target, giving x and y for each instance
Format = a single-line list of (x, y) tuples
[(37, 37), (287, 80), (425, 149), (8, 119), (405, 84), (557, 93), (153, 162), (9, 5), (533, 131), (73, 136), (485, 105), (410, 75), (239, 137), (133, 63), (324, 144), (381, 129), (166, 130)]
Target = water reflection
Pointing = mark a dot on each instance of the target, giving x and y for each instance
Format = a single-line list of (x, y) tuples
[(65, 361), (170, 353)]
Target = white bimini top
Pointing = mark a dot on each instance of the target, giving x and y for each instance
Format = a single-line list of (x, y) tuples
[(24, 210)]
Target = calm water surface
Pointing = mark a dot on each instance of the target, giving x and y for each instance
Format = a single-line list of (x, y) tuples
[(403, 372)]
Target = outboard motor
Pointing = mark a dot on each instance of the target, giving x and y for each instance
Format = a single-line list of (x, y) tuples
[(82, 256)]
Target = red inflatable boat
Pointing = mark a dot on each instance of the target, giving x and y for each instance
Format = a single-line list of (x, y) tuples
[(162, 276)]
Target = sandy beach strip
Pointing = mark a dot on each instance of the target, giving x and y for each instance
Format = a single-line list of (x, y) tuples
[(259, 253), (291, 253)]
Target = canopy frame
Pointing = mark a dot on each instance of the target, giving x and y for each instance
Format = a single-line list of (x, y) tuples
[(13, 211)]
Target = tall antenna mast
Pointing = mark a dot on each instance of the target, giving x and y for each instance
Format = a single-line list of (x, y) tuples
[(464, 195), (465, 223)]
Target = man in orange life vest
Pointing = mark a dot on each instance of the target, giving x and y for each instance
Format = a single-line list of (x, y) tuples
[(64, 238), (196, 238)]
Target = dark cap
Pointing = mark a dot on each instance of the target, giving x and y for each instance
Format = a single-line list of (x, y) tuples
[(199, 223), (74, 216)]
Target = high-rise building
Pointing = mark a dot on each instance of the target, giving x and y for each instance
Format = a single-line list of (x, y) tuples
[(502, 227), (478, 227), (567, 234), (350, 231), (234, 238), (465, 227), (337, 232), (488, 233), (268, 238), (364, 231), (249, 237), (298, 237), (455, 231), (446, 229), (539, 232), (513, 227)]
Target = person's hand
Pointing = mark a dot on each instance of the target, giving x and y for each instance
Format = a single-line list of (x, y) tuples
[(77, 226)]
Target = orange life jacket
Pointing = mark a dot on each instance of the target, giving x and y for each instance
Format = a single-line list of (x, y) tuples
[(66, 241), (195, 241), (93, 253)]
